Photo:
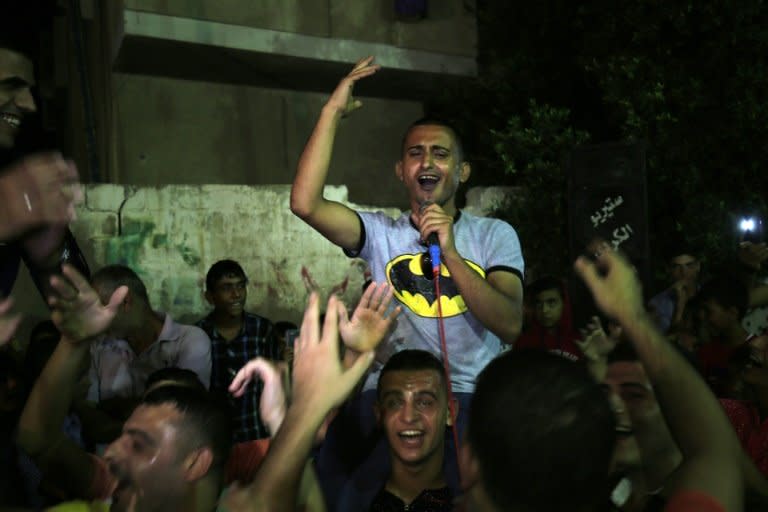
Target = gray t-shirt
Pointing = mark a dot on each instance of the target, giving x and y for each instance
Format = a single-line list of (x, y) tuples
[(393, 251)]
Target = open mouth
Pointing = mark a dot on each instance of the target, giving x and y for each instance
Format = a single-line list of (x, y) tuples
[(411, 437), (11, 119), (428, 181)]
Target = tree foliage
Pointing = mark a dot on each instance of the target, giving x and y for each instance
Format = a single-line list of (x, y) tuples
[(687, 78)]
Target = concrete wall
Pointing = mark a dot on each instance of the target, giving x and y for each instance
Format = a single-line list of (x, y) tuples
[(186, 132), (172, 234), (449, 27)]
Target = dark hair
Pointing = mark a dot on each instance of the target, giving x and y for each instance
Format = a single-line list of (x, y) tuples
[(183, 377), (545, 283), (679, 248), (206, 421), (412, 360), (543, 433), (436, 121), (221, 269), (113, 276), (727, 291)]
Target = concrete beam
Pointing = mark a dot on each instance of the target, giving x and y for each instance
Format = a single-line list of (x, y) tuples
[(179, 47)]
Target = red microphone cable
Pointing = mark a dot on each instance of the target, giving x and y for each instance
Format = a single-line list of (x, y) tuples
[(446, 364)]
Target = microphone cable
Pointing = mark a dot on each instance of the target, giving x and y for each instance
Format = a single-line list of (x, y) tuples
[(444, 350)]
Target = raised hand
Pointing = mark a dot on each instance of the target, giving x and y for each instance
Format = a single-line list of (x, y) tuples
[(77, 310), (320, 382), (341, 99), (8, 321), (369, 323), (272, 403), (596, 344), (613, 283), (40, 190)]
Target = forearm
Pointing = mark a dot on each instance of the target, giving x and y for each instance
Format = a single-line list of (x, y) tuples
[(692, 411), (307, 190), (498, 312), (277, 482), (51, 397)]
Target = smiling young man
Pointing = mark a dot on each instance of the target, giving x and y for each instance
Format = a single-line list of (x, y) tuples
[(38, 193), (482, 262), (236, 337), (412, 411)]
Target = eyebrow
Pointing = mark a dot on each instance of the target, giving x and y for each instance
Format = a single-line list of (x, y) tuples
[(421, 146), (391, 393), (141, 434)]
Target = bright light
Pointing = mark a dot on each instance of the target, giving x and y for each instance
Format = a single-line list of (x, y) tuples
[(747, 224)]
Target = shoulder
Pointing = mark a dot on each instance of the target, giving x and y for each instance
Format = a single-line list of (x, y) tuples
[(257, 323), (487, 226), (188, 334)]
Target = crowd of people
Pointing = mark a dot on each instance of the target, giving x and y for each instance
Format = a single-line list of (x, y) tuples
[(442, 389)]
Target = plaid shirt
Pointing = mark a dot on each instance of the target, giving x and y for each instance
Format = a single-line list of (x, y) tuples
[(256, 338)]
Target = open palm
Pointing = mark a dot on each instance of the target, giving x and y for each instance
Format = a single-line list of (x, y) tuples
[(370, 322), (77, 310)]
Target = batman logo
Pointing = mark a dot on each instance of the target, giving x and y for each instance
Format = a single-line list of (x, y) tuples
[(416, 290)]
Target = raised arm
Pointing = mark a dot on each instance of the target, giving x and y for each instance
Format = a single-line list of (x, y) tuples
[(320, 383), (711, 453), (79, 315), (333, 220)]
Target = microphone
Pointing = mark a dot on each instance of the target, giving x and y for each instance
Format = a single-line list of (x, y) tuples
[(433, 243)]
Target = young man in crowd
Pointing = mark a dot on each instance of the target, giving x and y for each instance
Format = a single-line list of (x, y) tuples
[(551, 327), (171, 453), (724, 301), (683, 268), (172, 450), (710, 476), (237, 336), (39, 192), (412, 414), (482, 263), (139, 341)]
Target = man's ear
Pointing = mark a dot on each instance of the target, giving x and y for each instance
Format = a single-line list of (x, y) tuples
[(197, 464), (208, 297), (448, 420), (399, 170), (464, 172), (377, 412)]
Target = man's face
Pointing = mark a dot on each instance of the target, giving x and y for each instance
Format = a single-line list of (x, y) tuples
[(146, 460), (430, 167), (718, 318), (684, 268), (629, 384), (16, 79), (228, 295), (549, 308), (412, 409)]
